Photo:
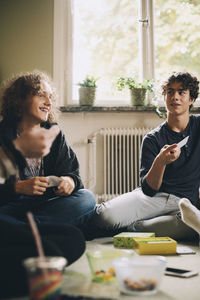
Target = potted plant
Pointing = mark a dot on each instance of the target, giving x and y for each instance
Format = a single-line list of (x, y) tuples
[(138, 90), (87, 91)]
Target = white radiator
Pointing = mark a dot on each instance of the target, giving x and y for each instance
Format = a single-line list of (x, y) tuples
[(115, 153)]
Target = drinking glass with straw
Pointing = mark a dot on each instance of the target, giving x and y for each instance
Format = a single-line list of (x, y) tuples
[(44, 272)]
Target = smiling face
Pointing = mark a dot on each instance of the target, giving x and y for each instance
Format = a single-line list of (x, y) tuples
[(177, 99), (37, 107)]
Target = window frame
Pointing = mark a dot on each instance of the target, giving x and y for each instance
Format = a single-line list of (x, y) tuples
[(63, 43)]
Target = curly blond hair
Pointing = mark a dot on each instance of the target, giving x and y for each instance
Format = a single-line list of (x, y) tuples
[(16, 90)]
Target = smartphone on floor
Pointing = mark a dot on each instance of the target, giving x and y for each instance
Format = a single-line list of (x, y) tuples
[(184, 250), (180, 272)]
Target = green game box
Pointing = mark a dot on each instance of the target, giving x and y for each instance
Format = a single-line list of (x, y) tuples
[(125, 239)]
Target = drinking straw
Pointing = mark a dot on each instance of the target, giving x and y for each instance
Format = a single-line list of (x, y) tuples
[(38, 242), (36, 236)]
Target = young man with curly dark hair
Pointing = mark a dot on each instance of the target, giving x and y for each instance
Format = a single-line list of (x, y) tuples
[(167, 173)]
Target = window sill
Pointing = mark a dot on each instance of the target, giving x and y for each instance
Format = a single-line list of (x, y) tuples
[(76, 109), (119, 109)]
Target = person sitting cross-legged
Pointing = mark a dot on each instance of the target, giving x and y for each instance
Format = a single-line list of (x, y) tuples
[(28, 103), (167, 173)]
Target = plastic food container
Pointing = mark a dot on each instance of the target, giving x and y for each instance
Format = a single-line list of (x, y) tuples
[(140, 275), (101, 263)]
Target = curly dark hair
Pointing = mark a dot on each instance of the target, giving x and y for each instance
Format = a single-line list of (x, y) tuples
[(188, 81), (16, 90)]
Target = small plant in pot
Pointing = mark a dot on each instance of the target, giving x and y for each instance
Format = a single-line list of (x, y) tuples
[(87, 91), (138, 90)]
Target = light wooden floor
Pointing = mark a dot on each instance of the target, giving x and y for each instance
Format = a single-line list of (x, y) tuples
[(77, 278)]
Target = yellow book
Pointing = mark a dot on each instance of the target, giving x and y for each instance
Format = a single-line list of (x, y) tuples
[(155, 245), (125, 239)]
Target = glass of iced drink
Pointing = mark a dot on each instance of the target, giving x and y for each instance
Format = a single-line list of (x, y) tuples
[(45, 277)]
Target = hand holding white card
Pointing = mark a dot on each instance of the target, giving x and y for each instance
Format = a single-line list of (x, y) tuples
[(182, 143), (53, 181)]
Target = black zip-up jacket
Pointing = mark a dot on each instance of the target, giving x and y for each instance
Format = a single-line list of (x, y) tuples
[(61, 161)]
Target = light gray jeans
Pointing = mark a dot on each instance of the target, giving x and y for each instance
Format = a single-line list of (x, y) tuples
[(136, 211)]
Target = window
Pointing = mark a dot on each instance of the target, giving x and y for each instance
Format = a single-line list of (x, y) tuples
[(112, 38), (105, 43), (177, 36)]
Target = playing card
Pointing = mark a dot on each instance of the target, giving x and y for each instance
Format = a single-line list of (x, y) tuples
[(53, 180), (182, 143)]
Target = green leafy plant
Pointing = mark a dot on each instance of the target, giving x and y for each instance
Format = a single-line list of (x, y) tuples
[(131, 83), (157, 94), (89, 81), (161, 114)]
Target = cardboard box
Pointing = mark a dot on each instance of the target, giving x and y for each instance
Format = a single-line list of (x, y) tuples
[(125, 239), (155, 245)]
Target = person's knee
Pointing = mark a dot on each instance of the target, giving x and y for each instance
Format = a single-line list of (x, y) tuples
[(104, 217), (87, 198)]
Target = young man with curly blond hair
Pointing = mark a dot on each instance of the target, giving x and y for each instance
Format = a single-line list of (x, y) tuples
[(28, 102)]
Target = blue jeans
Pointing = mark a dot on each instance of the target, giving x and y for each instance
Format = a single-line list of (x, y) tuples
[(75, 209)]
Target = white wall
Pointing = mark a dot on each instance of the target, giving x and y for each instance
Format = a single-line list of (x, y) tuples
[(78, 127), (26, 36)]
